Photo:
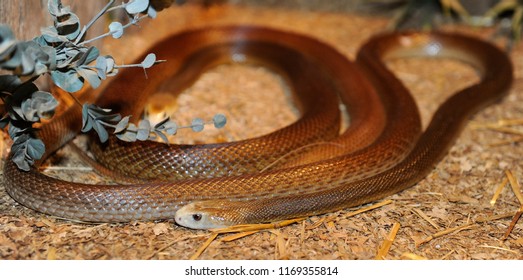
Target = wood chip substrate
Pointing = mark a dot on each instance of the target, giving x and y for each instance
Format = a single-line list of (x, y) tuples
[(467, 208)]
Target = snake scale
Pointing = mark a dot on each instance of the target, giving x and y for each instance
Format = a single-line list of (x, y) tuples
[(204, 186)]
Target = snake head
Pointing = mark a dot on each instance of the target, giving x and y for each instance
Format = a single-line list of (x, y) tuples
[(200, 215)]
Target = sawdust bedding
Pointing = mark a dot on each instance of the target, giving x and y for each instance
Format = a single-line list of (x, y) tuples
[(446, 216)]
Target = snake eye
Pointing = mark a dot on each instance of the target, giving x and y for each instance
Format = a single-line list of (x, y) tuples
[(197, 217)]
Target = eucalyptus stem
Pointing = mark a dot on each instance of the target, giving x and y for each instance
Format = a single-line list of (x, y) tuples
[(116, 8), (138, 64), (93, 20), (134, 21)]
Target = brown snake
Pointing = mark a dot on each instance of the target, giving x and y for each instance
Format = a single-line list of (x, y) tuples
[(382, 152)]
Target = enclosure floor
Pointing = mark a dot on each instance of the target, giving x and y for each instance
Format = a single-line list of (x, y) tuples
[(456, 194)]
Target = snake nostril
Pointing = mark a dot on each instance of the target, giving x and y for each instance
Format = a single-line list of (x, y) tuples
[(197, 217)]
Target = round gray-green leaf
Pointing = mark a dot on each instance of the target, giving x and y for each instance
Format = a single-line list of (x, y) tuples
[(35, 148), (136, 6), (68, 81), (7, 41), (219, 120), (149, 60), (171, 128), (68, 26), (197, 125), (122, 125), (44, 103), (144, 128), (116, 29), (151, 12), (90, 76)]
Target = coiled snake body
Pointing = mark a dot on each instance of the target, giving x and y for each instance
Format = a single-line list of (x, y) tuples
[(381, 153)]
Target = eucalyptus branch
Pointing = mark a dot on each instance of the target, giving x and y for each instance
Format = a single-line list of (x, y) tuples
[(61, 52), (121, 6), (139, 64), (98, 119), (116, 32)]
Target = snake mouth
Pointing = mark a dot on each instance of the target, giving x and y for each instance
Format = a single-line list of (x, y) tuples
[(193, 216)]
